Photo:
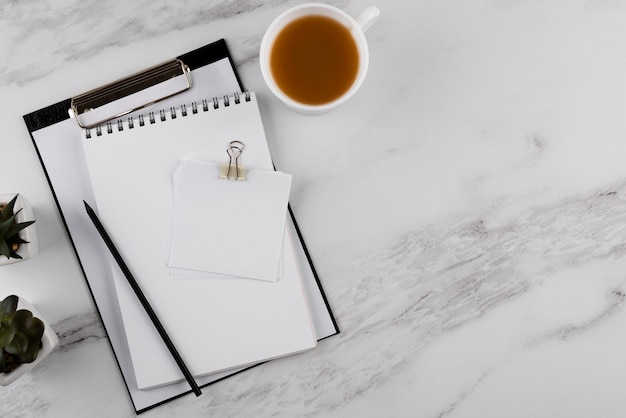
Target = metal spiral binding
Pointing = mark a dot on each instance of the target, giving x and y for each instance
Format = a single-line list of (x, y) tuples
[(163, 114)]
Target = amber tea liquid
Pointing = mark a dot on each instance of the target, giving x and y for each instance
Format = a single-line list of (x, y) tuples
[(314, 60)]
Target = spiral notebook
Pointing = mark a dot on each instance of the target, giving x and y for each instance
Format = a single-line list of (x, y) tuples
[(56, 138), (216, 324)]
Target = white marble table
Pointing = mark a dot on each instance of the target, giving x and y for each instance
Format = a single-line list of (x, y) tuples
[(466, 210)]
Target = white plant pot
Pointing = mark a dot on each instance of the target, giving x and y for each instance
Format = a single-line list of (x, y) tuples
[(28, 234), (49, 341)]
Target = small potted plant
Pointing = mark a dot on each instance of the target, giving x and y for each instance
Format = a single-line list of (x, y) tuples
[(25, 339), (17, 241)]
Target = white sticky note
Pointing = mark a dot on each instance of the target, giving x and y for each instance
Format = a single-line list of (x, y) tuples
[(228, 227)]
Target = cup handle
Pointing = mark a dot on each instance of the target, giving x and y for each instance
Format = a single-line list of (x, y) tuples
[(367, 17)]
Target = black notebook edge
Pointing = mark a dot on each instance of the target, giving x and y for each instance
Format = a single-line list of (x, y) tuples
[(58, 112)]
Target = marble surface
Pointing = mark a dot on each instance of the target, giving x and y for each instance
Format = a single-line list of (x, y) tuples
[(466, 210)]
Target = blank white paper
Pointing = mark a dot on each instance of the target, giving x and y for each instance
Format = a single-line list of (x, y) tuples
[(228, 227)]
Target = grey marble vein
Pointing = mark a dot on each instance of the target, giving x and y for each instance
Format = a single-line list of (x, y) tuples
[(77, 329), (67, 31), (440, 278)]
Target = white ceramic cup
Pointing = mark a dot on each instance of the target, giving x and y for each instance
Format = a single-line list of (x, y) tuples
[(357, 28)]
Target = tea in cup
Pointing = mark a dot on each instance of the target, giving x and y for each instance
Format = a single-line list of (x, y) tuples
[(314, 56)]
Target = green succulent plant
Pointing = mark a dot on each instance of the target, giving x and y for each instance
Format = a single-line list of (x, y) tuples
[(20, 335), (10, 239)]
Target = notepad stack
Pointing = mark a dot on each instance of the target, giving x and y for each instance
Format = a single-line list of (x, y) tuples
[(211, 255)]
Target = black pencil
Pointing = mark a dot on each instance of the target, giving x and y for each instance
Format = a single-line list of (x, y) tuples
[(144, 302)]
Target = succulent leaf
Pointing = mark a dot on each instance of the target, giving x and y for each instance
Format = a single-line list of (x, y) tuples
[(20, 335), (22, 320), (30, 354), (15, 255), (19, 240), (18, 345), (6, 224), (8, 209), (17, 227), (8, 307), (4, 249), (35, 330), (10, 239), (7, 332)]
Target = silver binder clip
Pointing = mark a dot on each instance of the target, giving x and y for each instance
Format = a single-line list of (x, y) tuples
[(233, 170)]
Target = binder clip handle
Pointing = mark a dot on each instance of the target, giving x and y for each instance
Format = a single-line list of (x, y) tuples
[(233, 170)]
